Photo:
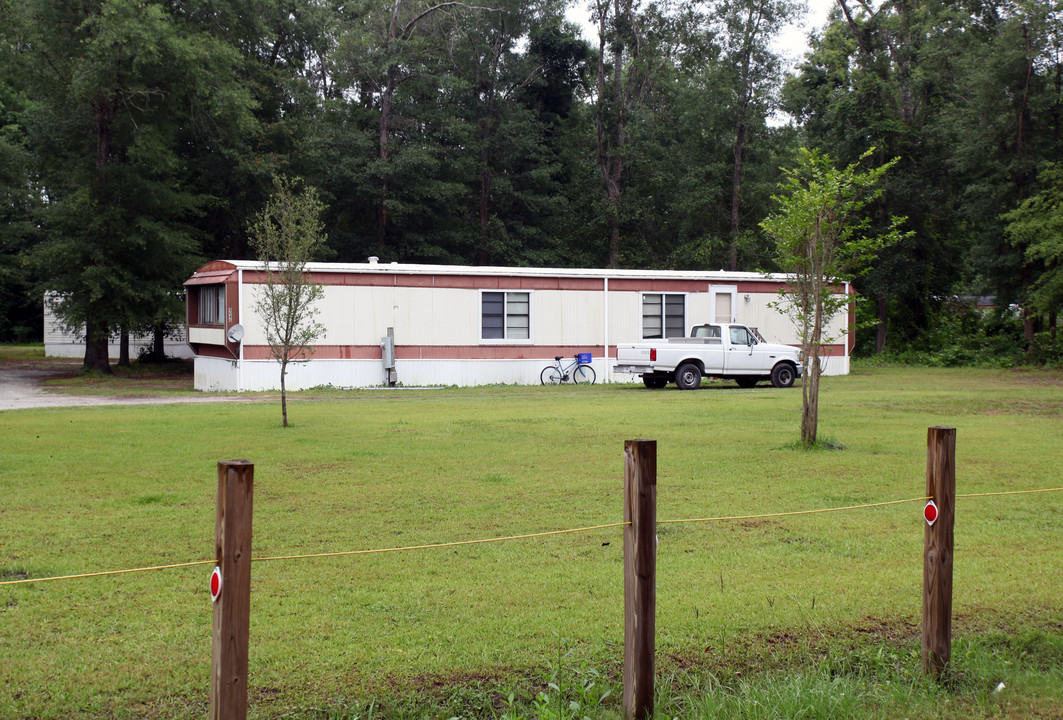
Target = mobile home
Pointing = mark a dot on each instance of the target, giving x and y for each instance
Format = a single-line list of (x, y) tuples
[(458, 325)]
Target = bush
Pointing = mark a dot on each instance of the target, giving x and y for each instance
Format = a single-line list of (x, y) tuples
[(961, 335)]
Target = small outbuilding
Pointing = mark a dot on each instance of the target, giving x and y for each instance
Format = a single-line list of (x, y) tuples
[(61, 341), (460, 325)]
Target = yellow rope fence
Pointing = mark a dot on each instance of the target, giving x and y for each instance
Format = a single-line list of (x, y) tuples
[(548, 533)]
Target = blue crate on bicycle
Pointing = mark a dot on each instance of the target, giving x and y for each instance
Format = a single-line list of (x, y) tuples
[(584, 358)]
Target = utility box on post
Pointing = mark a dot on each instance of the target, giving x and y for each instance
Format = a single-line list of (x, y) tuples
[(387, 345)]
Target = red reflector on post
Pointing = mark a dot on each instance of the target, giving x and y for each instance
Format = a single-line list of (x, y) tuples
[(930, 512), (215, 584)]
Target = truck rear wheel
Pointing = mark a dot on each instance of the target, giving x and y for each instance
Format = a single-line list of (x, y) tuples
[(654, 382), (782, 375), (688, 376)]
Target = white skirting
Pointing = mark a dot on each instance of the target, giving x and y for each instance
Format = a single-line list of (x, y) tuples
[(220, 375)]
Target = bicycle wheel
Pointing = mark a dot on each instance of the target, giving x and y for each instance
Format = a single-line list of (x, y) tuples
[(551, 375), (583, 375)]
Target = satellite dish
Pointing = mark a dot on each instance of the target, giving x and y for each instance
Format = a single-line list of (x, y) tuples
[(236, 333)]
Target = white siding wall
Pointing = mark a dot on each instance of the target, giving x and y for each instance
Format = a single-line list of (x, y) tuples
[(439, 316), (777, 327), (569, 317), (625, 317), (451, 316), (215, 375)]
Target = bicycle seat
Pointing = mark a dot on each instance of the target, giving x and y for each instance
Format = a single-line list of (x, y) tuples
[(558, 357)]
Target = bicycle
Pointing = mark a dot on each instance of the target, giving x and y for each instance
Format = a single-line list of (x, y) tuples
[(555, 374)]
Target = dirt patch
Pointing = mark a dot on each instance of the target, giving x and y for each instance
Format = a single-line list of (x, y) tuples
[(22, 386)]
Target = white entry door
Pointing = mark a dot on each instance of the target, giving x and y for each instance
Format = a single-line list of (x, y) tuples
[(722, 303)]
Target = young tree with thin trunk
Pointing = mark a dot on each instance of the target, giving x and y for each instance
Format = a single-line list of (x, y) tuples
[(823, 237), (286, 234)]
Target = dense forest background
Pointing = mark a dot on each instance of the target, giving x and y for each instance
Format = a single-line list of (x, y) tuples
[(137, 138)]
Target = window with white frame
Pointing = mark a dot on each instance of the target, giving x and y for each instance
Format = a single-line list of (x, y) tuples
[(212, 305), (505, 315), (663, 315)]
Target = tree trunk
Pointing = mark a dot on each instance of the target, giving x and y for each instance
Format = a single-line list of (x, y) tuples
[(810, 404), (158, 344), (123, 347), (96, 355), (611, 140), (614, 230), (284, 393), (880, 334), (1028, 328), (488, 127), (736, 185), (387, 93), (485, 188), (810, 398), (97, 338), (385, 139)]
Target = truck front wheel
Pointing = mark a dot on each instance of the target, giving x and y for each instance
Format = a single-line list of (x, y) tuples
[(782, 375), (688, 376)]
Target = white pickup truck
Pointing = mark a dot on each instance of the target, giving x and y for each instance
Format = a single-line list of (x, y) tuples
[(722, 350)]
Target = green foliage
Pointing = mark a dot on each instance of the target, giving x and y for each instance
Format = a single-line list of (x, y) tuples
[(20, 317), (962, 335), (138, 138), (1037, 226), (121, 93), (970, 102)]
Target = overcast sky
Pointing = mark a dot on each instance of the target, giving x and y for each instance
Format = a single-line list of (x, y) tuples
[(792, 43), (794, 40)]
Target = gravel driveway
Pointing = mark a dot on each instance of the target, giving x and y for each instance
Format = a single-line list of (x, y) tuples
[(20, 388)]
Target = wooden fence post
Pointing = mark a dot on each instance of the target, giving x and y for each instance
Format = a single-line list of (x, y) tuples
[(640, 576), (937, 551), (232, 607)]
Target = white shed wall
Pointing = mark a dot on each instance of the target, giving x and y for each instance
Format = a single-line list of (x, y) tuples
[(59, 342)]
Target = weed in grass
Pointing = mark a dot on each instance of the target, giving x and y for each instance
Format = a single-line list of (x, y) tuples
[(571, 693), (820, 445)]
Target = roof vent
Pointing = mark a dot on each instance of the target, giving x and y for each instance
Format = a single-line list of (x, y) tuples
[(373, 259)]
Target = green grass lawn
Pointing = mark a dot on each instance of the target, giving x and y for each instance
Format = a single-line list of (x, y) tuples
[(10, 353), (763, 612)]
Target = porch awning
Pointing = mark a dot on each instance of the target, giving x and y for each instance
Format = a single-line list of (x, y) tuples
[(212, 277)]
